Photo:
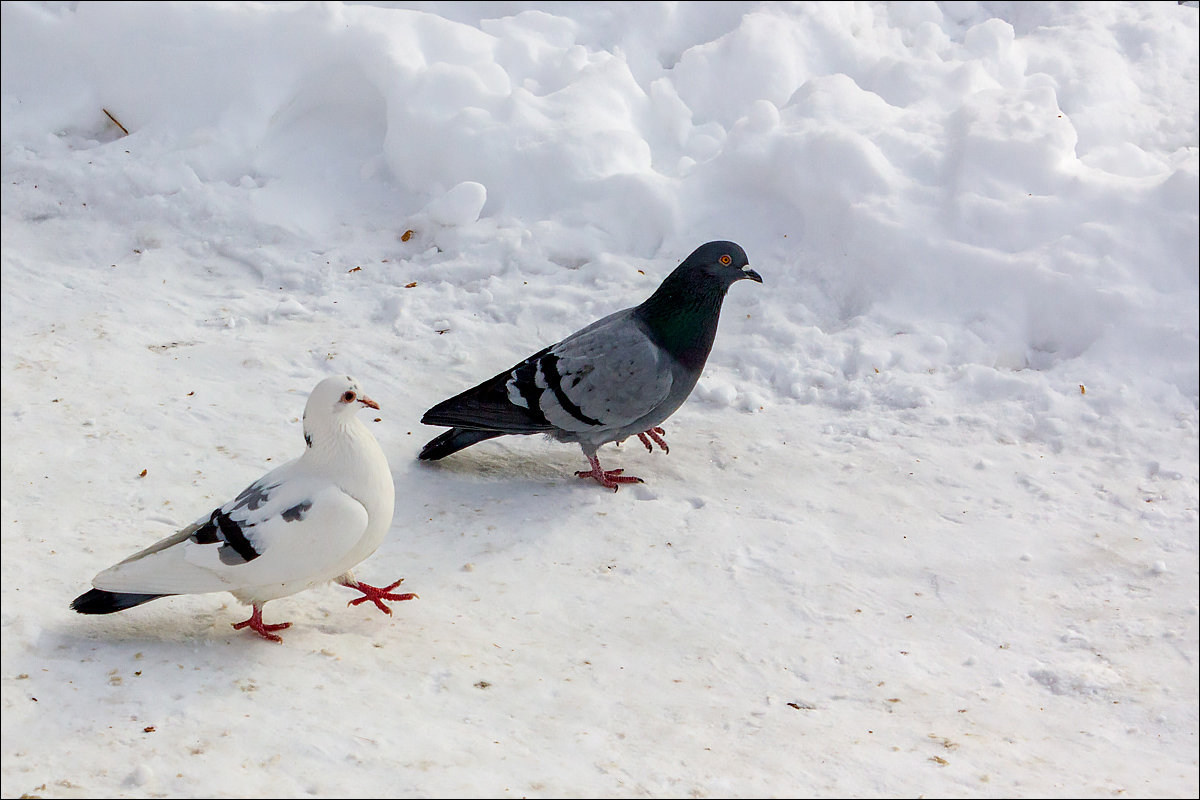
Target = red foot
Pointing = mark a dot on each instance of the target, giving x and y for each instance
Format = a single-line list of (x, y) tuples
[(377, 595), (255, 623), (608, 478), (656, 435)]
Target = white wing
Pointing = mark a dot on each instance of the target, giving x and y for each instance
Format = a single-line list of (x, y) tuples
[(273, 533)]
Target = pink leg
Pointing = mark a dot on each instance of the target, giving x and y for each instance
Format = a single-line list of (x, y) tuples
[(609, 479), (656, 435), (255, 623), (376, 594)]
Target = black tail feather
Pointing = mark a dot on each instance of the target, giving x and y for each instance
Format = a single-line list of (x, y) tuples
[(452, 441), (489, 406), (98, 601)]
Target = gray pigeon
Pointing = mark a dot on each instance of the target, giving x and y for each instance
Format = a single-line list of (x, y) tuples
[(618, 377)]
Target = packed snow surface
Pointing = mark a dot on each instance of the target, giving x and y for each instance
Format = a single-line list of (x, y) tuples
[(928, 524)]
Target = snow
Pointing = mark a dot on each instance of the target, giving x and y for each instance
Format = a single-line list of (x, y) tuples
[(929, 522)]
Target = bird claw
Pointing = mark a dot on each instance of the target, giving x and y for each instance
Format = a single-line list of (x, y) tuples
[(608, 478), (378, 594), (256, 624), (656, 435)]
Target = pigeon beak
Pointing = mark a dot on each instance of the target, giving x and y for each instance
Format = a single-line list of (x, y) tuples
[(368, 402), (751, 274)]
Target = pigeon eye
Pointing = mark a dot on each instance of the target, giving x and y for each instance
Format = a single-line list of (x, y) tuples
[(348, 397), (725, 260)]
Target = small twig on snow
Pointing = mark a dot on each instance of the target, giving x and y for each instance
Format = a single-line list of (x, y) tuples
[(115, 122)]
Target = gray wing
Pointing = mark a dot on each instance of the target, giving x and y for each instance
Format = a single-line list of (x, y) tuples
[(603, 377)]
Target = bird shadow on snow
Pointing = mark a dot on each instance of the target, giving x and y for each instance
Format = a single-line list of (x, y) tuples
[(534, 471), (171, 625), (204, 621), (483, 501), (520, 468)]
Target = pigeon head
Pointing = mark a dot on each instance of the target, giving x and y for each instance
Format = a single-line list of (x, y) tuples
[(718, 262), (681, 316), (334, 400)]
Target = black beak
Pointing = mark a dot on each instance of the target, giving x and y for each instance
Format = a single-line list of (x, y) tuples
[(751, 274)]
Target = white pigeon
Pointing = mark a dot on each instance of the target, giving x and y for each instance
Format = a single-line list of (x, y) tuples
[(302, 524)]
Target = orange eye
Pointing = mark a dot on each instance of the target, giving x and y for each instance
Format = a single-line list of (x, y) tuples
[(725, 260), (348, 397)]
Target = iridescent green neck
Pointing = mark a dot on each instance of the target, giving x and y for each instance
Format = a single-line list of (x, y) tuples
[(682, 316)]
